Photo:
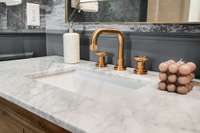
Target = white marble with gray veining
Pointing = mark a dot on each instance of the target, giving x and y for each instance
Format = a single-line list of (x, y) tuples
[(143, 110)]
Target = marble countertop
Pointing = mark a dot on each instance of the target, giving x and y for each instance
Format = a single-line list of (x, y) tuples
[(144, 110)]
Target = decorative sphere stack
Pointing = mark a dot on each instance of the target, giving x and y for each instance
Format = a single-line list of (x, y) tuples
[(176, 76)]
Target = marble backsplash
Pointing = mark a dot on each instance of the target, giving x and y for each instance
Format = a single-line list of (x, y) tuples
[(117, 10), (141, 27), (55, 15), (3, 16), (52, 19), (14, 17), (55, 23)]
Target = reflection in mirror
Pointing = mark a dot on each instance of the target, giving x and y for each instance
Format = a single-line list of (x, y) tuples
[(116, 10), (173, 11), (153, 11)]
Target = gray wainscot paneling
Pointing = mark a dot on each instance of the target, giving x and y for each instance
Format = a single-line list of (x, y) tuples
[(54, 44), (22, 45), (17, 40), (157, 46)]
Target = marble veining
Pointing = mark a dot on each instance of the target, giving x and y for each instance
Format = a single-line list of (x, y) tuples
[(3, 16), (55, 21), (116, 10), (55, 16), (52, 18), (142, 110), (137, 27), (14, 17)]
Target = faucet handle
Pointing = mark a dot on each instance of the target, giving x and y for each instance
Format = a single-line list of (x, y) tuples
[(140, 65), (101, 58)]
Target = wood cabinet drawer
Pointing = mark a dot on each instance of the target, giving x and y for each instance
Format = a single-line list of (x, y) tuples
[(14, 119), (9, 124)]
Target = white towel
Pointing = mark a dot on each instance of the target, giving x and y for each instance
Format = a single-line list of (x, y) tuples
[(86, 5)]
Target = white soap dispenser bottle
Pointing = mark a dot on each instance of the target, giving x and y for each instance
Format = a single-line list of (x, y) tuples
[(71, 47)]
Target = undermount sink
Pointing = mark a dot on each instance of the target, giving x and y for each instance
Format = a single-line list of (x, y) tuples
[(92, 84)]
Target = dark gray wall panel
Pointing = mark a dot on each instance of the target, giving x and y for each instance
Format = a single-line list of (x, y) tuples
[(11, 44), (35, 43), (55, 45), (157, 46), (18, 44)]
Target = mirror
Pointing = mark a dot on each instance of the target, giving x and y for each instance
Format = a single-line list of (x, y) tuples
[(173, 11), (151, 11)]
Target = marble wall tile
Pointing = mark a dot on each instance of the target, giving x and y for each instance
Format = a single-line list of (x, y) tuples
[(14, 17), (3, 16), (109, 11), (118, 11), (52, 18), (55, 15), (136, 27), (55, 20)]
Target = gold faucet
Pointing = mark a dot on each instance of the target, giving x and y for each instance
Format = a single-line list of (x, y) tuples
[(93, 47)]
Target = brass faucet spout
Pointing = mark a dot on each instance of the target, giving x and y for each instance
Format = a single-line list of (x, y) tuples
[(93, 46)]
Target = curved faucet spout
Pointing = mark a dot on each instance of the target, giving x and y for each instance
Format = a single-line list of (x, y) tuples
[(93, 46)]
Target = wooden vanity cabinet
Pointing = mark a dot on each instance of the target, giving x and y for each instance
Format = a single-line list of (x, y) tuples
[(14, 119), (8, 124)]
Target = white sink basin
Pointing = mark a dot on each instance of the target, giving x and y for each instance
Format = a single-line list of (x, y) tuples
[(92, 84)]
